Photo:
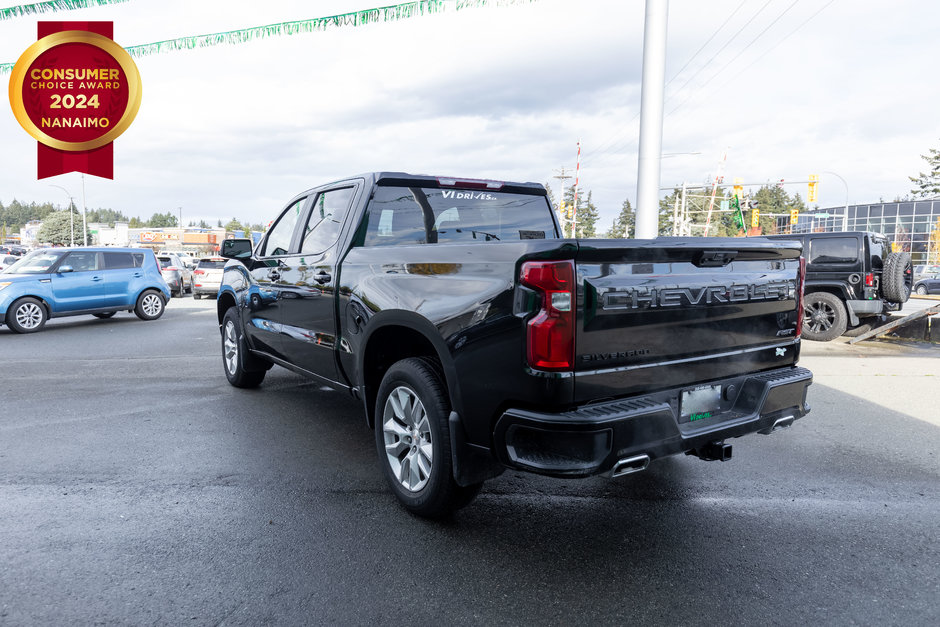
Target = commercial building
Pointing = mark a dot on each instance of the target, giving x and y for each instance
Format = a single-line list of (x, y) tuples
[(912, 226)]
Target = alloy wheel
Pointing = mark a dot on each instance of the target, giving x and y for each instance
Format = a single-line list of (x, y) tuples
[(230, 347), (151, 304), (29, 315), (408, 445), (819, 316)]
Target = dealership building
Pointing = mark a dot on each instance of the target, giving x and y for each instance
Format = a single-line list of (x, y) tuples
[(912, 226)]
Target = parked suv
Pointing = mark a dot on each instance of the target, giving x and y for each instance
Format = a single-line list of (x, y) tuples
[(852, 281), (54, 282), (177, 274), (207, 277)]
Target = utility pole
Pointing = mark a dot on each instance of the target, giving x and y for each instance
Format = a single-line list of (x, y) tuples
[(574, 208), (719, 177), (651, 118), (561, 198)]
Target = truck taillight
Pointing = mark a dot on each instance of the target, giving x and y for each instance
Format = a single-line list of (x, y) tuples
[(870, 280), (171, 268), (550, 334), (800, 314)]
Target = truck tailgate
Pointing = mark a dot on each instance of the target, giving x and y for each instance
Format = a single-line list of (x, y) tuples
[(655, 314)]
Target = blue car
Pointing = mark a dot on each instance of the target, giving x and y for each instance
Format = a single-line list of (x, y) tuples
[(55, 282)]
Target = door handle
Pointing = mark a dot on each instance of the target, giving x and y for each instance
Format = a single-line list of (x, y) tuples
[(96, 278), (322, 277)]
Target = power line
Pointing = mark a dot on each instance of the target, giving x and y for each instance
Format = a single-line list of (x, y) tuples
[(787, 36), (727, 43), (611, 146), (708, 41)]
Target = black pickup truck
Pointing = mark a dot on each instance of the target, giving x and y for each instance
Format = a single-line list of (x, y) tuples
[(478, 339)]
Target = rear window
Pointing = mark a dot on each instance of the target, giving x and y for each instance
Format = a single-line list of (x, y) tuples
[(116, 261), (420, 215), (165, 262), (211, 264)]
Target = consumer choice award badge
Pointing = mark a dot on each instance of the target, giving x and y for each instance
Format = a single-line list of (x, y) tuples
[(75, 91)]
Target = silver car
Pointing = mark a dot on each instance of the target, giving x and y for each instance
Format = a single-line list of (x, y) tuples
[(207, 277), (177, 274)]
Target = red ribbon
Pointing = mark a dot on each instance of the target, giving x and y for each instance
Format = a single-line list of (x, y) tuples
[(52, 161)]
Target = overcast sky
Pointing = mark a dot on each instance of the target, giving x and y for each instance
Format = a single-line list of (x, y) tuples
[(787, 88)]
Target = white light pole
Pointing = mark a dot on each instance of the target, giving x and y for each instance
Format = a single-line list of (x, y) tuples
[(71, 216), (845, 215), (651, 118)]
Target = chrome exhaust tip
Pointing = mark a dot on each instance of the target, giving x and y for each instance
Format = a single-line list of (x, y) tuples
[(630, 465), (780, 423)]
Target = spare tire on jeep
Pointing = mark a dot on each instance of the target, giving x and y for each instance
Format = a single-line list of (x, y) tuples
[(897, 277)]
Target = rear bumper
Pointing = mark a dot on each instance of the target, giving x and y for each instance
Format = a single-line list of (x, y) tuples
[(591, 440)]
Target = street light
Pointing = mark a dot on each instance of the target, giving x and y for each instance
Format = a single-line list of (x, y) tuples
[(845, 215), (71, 216)]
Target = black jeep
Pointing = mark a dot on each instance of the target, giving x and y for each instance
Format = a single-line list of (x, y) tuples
[(853, 281)]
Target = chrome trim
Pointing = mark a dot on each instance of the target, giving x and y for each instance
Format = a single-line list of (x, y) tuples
[(628, 466), (685, 360)]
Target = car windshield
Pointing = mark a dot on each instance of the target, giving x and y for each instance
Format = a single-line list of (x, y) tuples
[(211, 264), (36, 262)]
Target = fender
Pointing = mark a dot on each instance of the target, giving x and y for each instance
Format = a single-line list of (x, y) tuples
[(421, 325), (837, 288)]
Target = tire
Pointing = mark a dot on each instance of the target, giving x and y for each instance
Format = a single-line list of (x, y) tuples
[(197, 296), (861, 329), (412, 438), (235, 354), (897, 277), (27, 315), (105, 315), (190, 290), (824, 317), (922, 290), (150, 305)]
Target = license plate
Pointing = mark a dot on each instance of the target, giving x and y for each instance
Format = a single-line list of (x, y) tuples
[(699, 403)]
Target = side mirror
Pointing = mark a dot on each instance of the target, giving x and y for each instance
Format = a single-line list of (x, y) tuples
[(65, 269), (239, 248)]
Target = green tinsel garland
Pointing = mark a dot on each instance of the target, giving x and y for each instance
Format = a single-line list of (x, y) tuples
[(53, 5), (391, 13)]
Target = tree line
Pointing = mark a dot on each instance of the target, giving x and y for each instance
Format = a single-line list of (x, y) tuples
[(769, 199), (16, 215)]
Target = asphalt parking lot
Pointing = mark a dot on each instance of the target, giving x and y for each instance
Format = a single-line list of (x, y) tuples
[(137, 487)]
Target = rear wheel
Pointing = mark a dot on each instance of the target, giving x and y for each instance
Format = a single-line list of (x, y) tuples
[(235, 355), (27, 315), (150, 305), (824, 317), (922, 290), (413, 440)]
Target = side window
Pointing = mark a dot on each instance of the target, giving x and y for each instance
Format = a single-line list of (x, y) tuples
[(81, 261), (280, 235), (116, 261), (326, 219), (395, 218), (834, 250), (138, 260)]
